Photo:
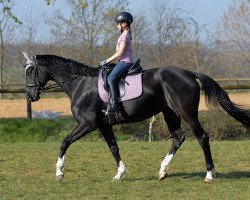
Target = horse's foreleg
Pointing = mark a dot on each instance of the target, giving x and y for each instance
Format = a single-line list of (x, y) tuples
[(178, 139), (80, 130), (108, 134)]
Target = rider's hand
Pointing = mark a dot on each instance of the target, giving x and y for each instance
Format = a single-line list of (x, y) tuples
[(103, 63)]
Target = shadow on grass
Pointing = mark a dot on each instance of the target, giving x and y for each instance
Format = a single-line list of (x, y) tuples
[(146, 178), (229, 175), (234, 175)]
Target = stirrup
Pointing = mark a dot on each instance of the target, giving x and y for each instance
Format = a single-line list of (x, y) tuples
[(111, 110), (114, 109)]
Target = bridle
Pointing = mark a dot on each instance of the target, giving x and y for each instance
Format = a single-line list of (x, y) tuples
[(36, 83)]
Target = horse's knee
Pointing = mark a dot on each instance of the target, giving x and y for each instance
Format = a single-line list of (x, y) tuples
[(178, 139), (203, 139)]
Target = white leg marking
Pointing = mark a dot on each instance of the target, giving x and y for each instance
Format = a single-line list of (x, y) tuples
[(121, 172), (165, 162), (210, 175), (60, 166), (164, 166)]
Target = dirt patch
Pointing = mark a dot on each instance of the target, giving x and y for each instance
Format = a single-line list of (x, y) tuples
[(17, 107)]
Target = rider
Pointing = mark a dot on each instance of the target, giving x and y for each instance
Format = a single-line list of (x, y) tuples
[(123, 54)]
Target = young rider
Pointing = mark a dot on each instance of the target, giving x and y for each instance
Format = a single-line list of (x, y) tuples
[(123, 54)]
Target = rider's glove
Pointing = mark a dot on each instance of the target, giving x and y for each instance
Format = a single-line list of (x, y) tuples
[(103, 63)]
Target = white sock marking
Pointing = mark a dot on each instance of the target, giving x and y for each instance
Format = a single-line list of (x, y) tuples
[(121, 171), (165, 162), (209, 175), (59, 166)]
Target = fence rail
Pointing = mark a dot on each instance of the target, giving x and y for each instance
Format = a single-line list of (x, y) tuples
[(226, 84)]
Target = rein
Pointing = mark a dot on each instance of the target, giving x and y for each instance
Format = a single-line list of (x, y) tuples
[(40, 89), (62, 82)]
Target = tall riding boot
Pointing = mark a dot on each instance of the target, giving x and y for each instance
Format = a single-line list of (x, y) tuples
[(113, 107)]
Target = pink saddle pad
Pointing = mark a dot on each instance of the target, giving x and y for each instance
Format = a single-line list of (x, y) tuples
[(133, 88)]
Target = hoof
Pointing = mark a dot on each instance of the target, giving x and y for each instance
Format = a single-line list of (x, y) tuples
[(162, 176), (210, 175), (59, 177), (208, 180), (116, 180), (119, 177)]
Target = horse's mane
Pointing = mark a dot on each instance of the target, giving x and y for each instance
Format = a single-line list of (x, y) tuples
[(61, 63)]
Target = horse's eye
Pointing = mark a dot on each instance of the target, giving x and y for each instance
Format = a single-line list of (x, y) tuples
[(29, 70)]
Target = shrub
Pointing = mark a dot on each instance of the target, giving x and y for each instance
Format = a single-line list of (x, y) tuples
[(218, 125)]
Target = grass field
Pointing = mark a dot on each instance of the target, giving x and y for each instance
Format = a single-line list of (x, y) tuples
[(27, 171)]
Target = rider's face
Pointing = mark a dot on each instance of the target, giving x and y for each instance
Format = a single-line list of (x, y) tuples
[(121, 25)]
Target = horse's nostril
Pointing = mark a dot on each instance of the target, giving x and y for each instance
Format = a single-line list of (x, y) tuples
[(28, 96)]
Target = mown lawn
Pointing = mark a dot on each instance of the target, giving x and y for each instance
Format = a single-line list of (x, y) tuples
[(27, 171)]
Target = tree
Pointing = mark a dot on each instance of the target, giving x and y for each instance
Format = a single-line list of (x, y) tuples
[(232, 40), (89, 28), (6, 16), (171, 26)]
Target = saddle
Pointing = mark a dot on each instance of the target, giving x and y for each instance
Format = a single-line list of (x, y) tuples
[(133, 70)]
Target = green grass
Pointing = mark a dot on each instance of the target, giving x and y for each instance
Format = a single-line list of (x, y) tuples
[(27, 171)]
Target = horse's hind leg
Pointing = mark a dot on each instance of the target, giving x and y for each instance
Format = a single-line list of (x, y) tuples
[(203, 140), (174, 126), (108, 134)]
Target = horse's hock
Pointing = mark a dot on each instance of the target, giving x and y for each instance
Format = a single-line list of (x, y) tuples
[(11, 108)]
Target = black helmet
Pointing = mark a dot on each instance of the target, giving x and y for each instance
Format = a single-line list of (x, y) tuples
[(124, 17)]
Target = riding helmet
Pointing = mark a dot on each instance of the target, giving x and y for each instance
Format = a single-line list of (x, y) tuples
[(124, 17)]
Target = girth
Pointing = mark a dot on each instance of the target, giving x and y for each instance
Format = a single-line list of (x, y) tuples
[(134, 69)]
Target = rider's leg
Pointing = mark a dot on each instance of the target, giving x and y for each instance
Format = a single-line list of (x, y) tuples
[(113, 79)]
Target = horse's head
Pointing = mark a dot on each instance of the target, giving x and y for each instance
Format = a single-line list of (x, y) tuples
[(35, 78)]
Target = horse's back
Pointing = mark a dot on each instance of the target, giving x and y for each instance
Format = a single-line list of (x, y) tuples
[(172, 77), (179, 88)]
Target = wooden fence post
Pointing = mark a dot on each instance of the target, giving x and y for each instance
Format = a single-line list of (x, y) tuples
[(29, 110)]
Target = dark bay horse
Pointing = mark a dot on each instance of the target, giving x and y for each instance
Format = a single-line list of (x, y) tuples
[(171, 90)]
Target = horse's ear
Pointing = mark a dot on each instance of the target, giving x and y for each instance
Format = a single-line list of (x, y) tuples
[(30, 59)]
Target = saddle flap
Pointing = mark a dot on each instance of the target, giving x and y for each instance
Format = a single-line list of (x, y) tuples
[(105, 73), (135, 68), (121, 87)]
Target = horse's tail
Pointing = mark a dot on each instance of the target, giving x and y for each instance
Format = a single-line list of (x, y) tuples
[(217, 97)]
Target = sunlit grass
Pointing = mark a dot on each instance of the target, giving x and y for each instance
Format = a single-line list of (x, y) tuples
[(27, 171)]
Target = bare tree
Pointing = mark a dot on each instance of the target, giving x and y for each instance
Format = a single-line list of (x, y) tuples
[(232, 40), (171, 26), (6, 17), (90, 29)]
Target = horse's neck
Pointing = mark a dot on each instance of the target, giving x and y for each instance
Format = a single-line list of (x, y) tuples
[(62, 74), (69, 78)]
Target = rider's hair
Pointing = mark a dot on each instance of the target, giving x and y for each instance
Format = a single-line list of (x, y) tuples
[(129, 30)]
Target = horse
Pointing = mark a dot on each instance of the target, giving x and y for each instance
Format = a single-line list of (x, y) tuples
[(172, 90)]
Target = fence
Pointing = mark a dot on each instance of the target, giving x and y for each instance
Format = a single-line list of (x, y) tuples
[(227, 84)]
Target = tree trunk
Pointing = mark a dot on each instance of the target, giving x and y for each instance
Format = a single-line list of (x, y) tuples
[(1, 60)]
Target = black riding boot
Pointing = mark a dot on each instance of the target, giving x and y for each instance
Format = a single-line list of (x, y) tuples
[(113, 105)]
